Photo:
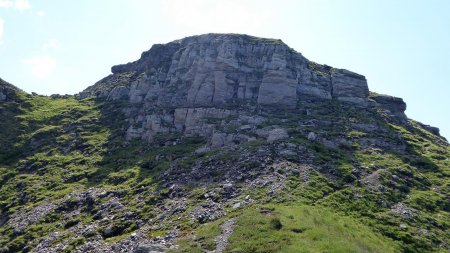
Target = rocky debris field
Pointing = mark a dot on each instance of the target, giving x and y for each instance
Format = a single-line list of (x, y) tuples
[(220, 143)]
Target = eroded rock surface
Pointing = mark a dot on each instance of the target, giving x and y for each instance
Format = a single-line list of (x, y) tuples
[(182, 85), (215, 69)]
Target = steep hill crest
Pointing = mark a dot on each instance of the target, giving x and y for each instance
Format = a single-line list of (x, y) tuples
[(220, 143)]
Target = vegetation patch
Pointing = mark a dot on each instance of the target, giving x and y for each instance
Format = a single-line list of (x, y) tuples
[(299, 228)]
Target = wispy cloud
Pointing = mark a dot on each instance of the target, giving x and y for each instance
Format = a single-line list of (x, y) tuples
[(18, 4), (22, 5), (40, 13), (41, 66), (51, 44), (6, 4)]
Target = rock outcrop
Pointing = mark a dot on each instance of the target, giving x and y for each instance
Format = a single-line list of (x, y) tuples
[(215, 69), (8, 92), (349, 86), (180, 85), (394, 105)]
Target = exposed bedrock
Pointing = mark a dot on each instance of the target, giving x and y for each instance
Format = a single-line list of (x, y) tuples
[(183, 85), (215, 69)]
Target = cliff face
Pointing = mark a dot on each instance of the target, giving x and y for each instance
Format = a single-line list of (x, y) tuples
[(215, 69), (220, 143), (197, 77)]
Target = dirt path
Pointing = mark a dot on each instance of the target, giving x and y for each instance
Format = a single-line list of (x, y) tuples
[(222, 239)]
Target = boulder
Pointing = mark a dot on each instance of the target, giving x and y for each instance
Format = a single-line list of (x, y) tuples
[(277, 134), (312, 136), (150, 248)]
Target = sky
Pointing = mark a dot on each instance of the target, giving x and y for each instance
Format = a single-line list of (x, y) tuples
[(402, 46)]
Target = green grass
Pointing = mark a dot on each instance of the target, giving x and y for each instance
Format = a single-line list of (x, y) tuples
[(290, 228), (203, 238), (48, 162), (299, 228), (54, 147)]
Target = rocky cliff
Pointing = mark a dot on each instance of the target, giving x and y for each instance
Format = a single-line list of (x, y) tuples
[(199, 77), (220, 143), (216, 69)]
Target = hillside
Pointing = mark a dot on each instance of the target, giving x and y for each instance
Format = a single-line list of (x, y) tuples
[(221, 143)]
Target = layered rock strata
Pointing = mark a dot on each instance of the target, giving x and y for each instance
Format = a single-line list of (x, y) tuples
[(195, 78)]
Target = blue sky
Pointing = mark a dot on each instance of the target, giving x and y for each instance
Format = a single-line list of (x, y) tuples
[(402, 46)]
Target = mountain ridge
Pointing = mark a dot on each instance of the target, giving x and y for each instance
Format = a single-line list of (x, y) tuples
[(229, 144), (272, 75), (272, 69)]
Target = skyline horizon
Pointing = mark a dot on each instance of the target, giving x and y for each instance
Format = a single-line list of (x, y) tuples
[(401, 48)]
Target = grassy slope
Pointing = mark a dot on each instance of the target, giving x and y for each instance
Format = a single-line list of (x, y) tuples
[(292, 228), (417, 177), (299, 228), (56, 147), (53, 147), (358, 222), (45, 161)]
